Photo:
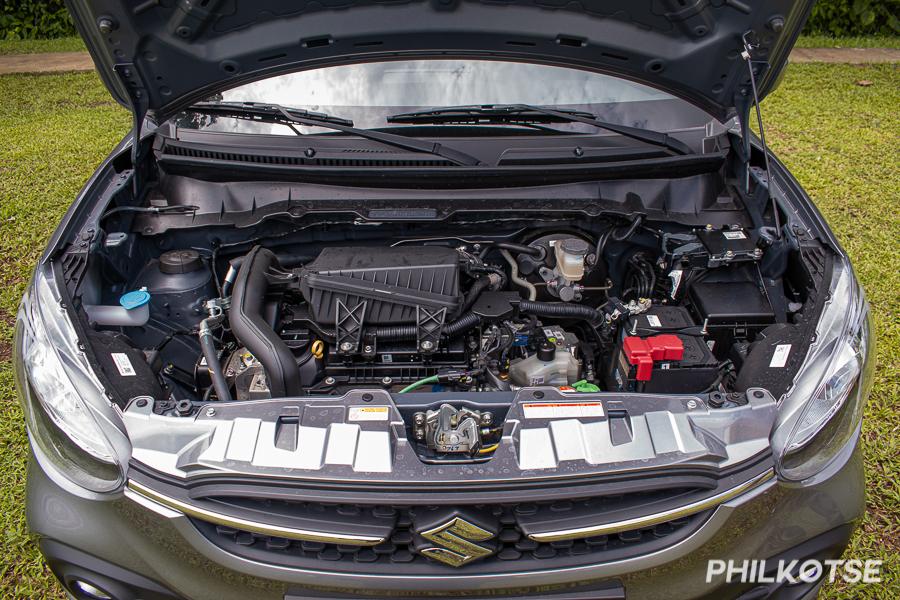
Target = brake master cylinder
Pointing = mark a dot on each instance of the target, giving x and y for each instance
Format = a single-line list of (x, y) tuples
[(562, 280)]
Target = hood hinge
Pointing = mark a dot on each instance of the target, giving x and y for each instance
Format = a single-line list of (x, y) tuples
[(137, 95)]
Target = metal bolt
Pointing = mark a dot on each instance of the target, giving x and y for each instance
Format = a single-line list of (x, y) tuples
[(141, 402), (310, 152), (486, 418), (691, 404), (579, 151), (106, 25), (776, 24), (210, 412), (346, 346), (729, 254), (427, 345), (367, 349), (386, 380), (329, 381), (419, 418)]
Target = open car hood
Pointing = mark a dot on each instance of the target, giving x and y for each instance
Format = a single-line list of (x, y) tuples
[(157, 57)]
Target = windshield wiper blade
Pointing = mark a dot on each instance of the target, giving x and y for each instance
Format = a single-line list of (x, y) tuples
[(486, 113), (276, 113), (265, 112), (508, 112)]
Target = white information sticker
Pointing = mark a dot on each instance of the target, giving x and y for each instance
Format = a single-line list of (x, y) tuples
[(368, 413), (562, 410), (780, 356), (654, 321), (734, 235), (123, 364)]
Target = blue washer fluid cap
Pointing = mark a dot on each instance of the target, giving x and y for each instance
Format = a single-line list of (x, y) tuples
[(135, 299)]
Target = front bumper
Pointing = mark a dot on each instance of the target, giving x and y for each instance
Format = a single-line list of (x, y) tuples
[(164, 548)]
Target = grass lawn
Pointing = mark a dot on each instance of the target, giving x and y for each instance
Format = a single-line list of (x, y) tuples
[(860, 41), (840, 139), (66, 44)]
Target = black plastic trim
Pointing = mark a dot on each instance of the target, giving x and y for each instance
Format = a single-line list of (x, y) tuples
[(70, 564)]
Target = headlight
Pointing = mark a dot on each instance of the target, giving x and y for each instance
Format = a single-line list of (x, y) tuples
[(75, 430), (824, 407)]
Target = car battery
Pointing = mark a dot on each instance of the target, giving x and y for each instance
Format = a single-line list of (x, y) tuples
[(667, 363)]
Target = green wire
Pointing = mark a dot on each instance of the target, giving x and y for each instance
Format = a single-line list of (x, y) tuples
[(419, 383)]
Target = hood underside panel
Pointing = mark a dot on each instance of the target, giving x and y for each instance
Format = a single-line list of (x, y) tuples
[(158, 57)]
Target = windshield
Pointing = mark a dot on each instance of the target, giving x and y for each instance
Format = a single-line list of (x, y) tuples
[(368, 93)]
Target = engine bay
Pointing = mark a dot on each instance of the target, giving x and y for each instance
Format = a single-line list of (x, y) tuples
[(617, 304)]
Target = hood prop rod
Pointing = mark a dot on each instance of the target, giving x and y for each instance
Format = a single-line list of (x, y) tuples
[(748, 47), (137, 96)]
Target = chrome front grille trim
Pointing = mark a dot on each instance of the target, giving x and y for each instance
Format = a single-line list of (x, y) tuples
[(655, 518), (217, 518)]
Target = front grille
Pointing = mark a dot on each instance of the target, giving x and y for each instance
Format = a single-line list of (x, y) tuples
[(514, 548)]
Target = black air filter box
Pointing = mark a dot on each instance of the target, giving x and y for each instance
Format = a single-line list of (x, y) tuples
[(392, 282)]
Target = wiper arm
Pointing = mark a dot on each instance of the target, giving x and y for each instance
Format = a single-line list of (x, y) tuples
[(511, 113), (276, 113)]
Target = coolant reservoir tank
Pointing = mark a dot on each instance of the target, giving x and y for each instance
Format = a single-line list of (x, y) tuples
[(570, 254), (548, 366)]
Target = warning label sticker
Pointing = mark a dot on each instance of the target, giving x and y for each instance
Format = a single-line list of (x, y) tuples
[(562, 410), (123, 364), (734, 235), (368, 413), (780, 356)]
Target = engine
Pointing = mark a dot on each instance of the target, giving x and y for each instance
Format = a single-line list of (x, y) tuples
[(631, 309), (393, 317)]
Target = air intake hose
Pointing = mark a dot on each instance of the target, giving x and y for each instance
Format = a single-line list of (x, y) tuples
[(252, 330)]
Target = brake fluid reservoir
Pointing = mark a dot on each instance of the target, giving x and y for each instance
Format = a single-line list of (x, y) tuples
[(570, 254)]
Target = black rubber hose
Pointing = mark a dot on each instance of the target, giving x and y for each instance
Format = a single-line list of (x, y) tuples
[(478, 286), (408, 332), (630, 231), (251, 329), (560, 309), (284, 260), (208, 347), (517, 248), (461, 325)]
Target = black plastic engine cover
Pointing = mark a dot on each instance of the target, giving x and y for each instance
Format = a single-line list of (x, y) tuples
[(392, 282)]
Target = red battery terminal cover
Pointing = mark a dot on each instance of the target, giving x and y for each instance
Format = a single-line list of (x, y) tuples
[(643, 352)]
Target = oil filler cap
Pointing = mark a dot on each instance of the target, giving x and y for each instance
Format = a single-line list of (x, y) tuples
[(135, 299)]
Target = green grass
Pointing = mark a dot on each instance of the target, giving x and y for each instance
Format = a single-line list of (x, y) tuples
[(66, 44), (838, 138), (862, 41)]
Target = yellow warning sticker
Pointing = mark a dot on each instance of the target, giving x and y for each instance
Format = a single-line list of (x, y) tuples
[(368, 413)]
